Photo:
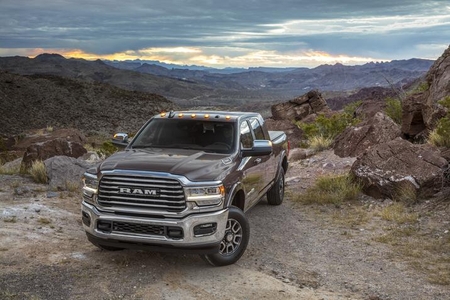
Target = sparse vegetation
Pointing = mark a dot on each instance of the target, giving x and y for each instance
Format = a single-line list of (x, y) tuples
[(440, 136), (331, 190), (107, 149), (324, 129), (12, 219), (73, 186), (405, 192), (399, 214), (44, 221), (320, 143), (38, 172), (394, 109), (49, 129), (10, 170)]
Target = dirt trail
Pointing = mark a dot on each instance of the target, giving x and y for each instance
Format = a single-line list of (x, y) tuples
[(295, 252)]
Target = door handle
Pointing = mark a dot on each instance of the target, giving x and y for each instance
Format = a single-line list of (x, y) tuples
[(258, 160)]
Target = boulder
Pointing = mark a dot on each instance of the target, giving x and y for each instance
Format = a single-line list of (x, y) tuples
[(64, 173), (300, 107), (356, 139), (293, 133), (44, 150), (386, 168), (421, 111)]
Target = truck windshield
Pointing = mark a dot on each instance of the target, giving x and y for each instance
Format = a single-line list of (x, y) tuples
[(208, 136)]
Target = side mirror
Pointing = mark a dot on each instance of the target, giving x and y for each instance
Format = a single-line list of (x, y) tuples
[(120, 140), (260, 148)]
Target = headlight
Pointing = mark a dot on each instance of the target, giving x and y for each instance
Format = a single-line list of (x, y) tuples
[(90, 182), (208, 195)]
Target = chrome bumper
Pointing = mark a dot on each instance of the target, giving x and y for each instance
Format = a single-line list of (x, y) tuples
[(189, 240)]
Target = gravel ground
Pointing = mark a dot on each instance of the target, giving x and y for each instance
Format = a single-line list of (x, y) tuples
[(295, 252)]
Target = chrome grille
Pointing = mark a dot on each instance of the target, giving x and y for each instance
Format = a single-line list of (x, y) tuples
[(141, 192)]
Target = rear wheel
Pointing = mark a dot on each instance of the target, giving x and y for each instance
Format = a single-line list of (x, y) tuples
[(275, 195), (234, 242)]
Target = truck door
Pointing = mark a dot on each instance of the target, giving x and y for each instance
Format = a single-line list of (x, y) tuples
[(269, 162), (254, 179)]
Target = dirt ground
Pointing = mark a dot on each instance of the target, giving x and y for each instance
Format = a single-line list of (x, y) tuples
[(295, 252)]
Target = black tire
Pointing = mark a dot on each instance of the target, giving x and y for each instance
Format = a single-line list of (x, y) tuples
[(275, 195), (235, 241)]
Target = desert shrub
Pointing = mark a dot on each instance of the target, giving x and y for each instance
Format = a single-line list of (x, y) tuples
[(320, 143), (331, 190), (394, 109), (440, 135), (398, 213), (329, 127), (38, 172), (107, 149)]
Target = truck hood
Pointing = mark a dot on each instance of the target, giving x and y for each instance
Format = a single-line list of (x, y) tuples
[(193, 164)]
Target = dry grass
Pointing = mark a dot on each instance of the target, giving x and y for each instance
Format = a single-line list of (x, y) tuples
[(352, 217), (405, 192), (320, 142), (331, 190), (38, 172), (399, 214), (9, 170), (73, 186), (44, 221), (438, 140)]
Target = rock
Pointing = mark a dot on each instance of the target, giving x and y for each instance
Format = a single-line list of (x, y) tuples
[(386, 169), (300, 107), (65, 172), (299, 153), (293, 133), (12, 166), (52, 194), (51, 148), (421, 110), (356, 139), (22, 190)]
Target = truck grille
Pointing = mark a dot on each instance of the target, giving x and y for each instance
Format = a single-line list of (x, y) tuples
[(138, 228), (141, 192)]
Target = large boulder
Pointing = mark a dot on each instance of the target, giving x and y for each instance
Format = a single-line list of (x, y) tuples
[(421, 111), (292, 131), (47, 149), (386, 169), (356, 139), (300, 107), (64, 173)]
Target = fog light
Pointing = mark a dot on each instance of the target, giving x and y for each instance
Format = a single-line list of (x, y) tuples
[(105, 226), (175, 232), (205, 229), (86, 218)]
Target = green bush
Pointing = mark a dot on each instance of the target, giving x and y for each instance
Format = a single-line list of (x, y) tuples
[(329, 127), (440, 136), (394, 109), (331, 190), (107, 149)]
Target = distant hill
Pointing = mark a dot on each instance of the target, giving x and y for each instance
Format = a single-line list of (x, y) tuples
[(191, 86), (37, 101), (293, 81)]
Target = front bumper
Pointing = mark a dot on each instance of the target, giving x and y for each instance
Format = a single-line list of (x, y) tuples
[(121, 238)]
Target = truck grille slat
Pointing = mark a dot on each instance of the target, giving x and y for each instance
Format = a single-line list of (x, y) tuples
[(115, 189), (132, 184), (122, 191), (138, 196)]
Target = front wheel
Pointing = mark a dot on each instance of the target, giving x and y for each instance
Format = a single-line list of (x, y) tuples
[(275, 195), (235, 241)]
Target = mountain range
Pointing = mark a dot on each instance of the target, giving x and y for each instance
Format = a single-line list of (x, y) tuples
[(190, 86)]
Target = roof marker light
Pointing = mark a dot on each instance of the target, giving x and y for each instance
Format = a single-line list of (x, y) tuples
[(227, 117), (206, 116), (163, 114), (180, 115), (193, 116)]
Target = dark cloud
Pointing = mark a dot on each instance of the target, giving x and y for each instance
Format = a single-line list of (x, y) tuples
[(104, 27)]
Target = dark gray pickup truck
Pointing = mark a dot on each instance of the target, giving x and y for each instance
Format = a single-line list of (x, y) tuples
[(184, 182)]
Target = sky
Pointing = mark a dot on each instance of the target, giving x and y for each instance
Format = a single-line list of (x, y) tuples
[(228, 33)]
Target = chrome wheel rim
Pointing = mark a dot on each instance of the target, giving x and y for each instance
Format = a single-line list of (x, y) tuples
[(232, 239)]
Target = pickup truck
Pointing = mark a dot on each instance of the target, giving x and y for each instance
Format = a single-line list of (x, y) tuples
[(183, 183)]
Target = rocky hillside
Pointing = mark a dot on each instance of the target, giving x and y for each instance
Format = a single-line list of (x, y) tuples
[(38, 101), (97, 71), (213, 87)]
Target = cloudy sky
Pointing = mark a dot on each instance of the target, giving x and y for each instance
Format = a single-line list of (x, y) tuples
[(228, 33)]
